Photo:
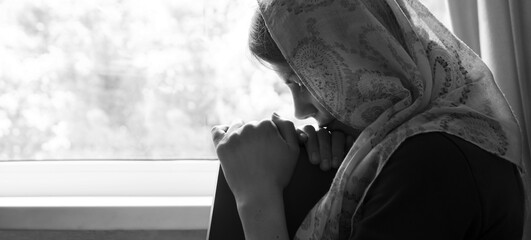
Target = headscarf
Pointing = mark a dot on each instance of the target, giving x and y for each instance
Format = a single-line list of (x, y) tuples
[(391, 69)]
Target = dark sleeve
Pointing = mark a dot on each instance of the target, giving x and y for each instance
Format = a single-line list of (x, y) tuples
[(425, 191)]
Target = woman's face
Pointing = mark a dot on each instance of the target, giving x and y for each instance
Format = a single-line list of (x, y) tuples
[(306, 105)]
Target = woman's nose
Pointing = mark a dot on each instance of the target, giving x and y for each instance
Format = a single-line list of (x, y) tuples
[(304, 107)]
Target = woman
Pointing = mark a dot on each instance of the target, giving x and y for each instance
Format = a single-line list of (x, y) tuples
[(437, 151)]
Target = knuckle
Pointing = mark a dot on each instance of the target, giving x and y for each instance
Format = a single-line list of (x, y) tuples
[(308, 129), (228, 145), (248, 127), (230, 140), (221, 149), (288, 123), (266, 124)]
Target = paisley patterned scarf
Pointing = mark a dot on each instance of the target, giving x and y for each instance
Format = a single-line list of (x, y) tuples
[(390, 68)]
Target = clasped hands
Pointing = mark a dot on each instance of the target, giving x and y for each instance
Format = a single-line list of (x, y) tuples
[(258, 158)]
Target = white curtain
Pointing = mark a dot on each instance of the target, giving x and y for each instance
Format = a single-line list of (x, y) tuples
[(500, 32)]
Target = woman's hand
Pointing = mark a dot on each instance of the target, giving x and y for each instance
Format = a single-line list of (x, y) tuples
[(257, 158), (328, 149)]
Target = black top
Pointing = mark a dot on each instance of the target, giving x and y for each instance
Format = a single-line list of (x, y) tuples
[(434, 186), (438, 186)]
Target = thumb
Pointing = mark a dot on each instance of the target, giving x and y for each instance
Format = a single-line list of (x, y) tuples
[(218, 132), (286, 130)]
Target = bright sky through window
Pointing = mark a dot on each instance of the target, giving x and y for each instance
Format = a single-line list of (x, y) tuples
[(114, 79)]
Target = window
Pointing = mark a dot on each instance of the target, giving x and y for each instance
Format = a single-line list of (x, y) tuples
[(127, 79), (87, 83), (100, 97)]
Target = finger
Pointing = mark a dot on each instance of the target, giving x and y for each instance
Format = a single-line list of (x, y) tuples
[(325, 149), (338, 148), (312, 144), (218, 132), (303, 137), (235, 125), (286, 130)]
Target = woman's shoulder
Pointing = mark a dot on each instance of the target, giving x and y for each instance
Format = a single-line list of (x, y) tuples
[(430, 160), (443, 152), (426, 144), (432, 152), (439, 183), (450, 160), (444, 143)]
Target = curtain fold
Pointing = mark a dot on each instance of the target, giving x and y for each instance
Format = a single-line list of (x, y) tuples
[(500, 32), (464, 19)]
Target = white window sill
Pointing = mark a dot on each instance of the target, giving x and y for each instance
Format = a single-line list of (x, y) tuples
[(154, 195), (105, 213)]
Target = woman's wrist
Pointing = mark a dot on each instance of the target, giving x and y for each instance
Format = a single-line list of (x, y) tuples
[(263, 215), (258, 195), (258, 202)]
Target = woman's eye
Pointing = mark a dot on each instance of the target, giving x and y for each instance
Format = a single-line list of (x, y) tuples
[(298, 82), (293, 83), (294, 79)]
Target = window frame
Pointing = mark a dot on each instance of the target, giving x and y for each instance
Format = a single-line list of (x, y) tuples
[(78, 195)]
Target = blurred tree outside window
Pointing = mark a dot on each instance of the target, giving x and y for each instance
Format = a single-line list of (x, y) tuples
[(128, 79)]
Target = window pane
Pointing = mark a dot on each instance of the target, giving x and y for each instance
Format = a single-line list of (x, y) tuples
[(127, 79)]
